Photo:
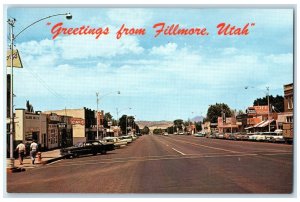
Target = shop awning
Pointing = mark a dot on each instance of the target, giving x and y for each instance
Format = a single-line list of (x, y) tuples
[(265, 123), (229, 126), (257, 125)]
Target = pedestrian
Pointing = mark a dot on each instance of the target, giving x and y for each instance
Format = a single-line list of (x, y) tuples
[(33, 151), (21, 151)]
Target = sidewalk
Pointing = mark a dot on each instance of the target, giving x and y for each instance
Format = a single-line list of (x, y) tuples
[(47, 157)]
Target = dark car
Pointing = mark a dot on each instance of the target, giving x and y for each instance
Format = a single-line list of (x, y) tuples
[(84, 148)]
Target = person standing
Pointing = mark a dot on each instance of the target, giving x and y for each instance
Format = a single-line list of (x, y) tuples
[(21, 151), (33, 150)]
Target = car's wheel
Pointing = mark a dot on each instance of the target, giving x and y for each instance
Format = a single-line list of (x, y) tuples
[(75, 155), (103, 151)]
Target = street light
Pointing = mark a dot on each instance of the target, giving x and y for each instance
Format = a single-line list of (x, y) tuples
[(97, 95), (11, 23)]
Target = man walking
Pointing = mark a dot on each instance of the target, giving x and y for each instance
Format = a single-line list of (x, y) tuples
[(21, 151), (33, 151)]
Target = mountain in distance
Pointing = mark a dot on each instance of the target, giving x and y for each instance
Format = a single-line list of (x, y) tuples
[(155, 124), (197, 119), (163, 123)]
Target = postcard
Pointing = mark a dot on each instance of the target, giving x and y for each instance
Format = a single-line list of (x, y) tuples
[(150, 100)]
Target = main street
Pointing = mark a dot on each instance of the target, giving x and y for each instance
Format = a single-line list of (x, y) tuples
[(168, 164)]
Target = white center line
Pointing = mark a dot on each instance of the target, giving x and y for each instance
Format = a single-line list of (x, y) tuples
[(178, 151)]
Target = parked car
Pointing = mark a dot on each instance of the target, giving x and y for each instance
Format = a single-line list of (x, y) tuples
[(229, 136), (212, 135), (252, 136), (277, 139), (126, 138), (274, 137), (90, 147), (199, 134), (116, 141), (134, 137), (260, 137), (241, 136), (220, 136)]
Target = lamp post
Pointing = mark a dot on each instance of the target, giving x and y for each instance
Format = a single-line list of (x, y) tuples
[(11, 23), (97, 125), (268, 108), (126, 124)]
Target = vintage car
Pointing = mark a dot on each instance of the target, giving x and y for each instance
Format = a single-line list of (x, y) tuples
[(116, 141), (126, 138), (83, 148), (199, 134)]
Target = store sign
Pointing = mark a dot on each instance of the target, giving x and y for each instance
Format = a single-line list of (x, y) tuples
[(62, 125), (54, 117), (16, 59), (251, 111), (261, 109), (77, 121)]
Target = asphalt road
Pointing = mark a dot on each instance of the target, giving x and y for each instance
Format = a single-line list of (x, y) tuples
[(168, 164)]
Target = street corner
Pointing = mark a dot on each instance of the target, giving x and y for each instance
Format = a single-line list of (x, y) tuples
[(15, 170)]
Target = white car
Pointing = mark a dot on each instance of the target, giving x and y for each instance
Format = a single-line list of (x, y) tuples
[(134, 137), (260, 137), (126, 138), (252, 137), (116, 141)]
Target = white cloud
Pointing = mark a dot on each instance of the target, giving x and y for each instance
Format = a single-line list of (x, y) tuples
[(82, 47), (136, 18), (280, 58), (168, 49), (87, 46), (229, 51)]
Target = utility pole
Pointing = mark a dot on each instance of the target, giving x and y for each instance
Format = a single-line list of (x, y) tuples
[(11, 22), (97, 127), (126, 125), (268, 109)]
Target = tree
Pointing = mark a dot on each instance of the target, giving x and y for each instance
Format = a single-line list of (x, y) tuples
[(240, 112), (277, 102), (158, 131), (29, 107), (145, 130), (122, 123), (129, 123), (107, 118), (170, 130), (198, 126), (215, 111), (178, 124)]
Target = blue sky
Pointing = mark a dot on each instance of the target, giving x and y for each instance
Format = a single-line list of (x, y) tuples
[(162, 78)]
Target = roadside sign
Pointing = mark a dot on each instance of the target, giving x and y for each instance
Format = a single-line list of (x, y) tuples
[(16, 59)]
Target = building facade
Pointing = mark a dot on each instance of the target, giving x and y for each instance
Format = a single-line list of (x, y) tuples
[(31, 126), (83, 122), (286, 119)]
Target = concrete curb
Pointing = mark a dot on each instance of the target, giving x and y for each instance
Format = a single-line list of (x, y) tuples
[(15, 170), (21, 169), (52, 160)]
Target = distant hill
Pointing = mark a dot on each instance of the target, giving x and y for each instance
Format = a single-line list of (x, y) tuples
[(197, 119), (154, 124)]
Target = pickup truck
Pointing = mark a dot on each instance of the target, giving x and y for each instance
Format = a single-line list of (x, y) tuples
[(83, 148)]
